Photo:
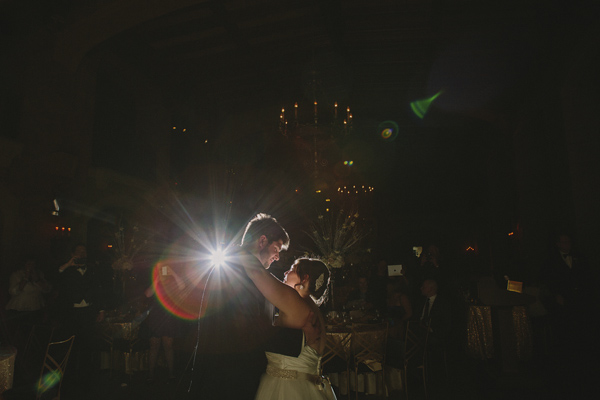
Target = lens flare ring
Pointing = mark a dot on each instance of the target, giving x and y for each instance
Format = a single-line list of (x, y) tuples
[(388, 130)]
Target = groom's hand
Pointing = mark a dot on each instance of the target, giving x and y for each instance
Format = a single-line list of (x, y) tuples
[(312, 331)]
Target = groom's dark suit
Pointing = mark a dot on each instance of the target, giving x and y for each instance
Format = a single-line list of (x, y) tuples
[(235, 328)]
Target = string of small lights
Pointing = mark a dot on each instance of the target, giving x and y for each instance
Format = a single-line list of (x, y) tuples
[(355, 189)]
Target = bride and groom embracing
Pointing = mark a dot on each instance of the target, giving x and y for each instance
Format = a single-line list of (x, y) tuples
[(246, 350)]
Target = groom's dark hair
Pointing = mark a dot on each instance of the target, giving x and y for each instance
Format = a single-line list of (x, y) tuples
[(264, 224)]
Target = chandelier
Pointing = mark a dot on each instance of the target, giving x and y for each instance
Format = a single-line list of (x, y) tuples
[(329, 120), (317, 131)]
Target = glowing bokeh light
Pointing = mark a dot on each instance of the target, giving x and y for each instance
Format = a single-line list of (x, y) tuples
[(388, 130), (48, 381), (420, 107)]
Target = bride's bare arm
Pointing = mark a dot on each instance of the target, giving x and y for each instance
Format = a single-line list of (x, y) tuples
[(293, 310)]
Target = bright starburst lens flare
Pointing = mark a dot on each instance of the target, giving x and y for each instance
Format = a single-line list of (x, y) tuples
[(218, 258)]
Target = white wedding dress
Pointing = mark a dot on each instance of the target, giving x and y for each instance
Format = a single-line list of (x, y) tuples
[(294, 378)]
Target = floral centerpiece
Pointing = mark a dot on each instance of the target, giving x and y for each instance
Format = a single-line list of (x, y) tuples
[(126, 248), (336, 237), (127, 245)]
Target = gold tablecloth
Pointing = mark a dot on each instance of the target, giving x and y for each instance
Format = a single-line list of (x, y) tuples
[(121, 330), (7, 367), (480, 339), (341, 338), (523, 333), (338, 337), (126, 361)]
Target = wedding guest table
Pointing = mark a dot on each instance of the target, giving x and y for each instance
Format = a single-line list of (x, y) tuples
[(339, 337), (121, 333), (480, 339), (504, 327), (7, 367)]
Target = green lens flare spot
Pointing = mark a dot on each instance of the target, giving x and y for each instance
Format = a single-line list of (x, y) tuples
[(420, 107)]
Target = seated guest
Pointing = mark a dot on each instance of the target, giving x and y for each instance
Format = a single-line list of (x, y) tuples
[(377, 291), (399, 308), (359, 296)]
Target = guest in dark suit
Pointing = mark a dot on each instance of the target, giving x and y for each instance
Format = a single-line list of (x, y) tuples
[(81, 304), (429, 268), (568, 287), (567, 279), (435, 313)]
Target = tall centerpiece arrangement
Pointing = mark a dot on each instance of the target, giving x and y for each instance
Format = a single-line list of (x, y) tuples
[(127, 244), (337, 236)]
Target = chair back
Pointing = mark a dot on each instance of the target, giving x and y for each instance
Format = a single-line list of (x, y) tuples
[(53, 368), (35, 346), (369, 343), (337, 346), (39, 337), (415, 339)]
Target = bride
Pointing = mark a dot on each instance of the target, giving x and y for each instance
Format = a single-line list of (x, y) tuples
[(295, 378)]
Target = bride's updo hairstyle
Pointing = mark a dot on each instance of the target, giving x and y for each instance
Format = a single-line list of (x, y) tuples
[(318, 277)]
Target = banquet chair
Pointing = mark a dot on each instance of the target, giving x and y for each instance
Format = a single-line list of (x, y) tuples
[(105, 344), (415, 343), (335, 357), (53, 368), (37, 341), (369, 344), (39, 337)]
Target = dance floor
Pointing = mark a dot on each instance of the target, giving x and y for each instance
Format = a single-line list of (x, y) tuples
[(467, 379)]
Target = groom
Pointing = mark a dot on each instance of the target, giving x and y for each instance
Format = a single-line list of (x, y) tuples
[(236, 323)]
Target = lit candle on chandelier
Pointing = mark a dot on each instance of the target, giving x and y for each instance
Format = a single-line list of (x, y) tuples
[(335, 110), (348, 113), (350, 119), (296, 111), (315, 111)]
